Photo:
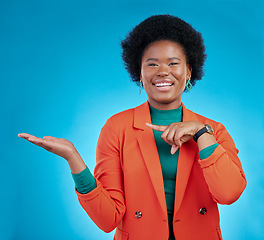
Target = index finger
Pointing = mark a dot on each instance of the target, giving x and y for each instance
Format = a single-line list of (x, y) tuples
[(25, 135), (157, 127)]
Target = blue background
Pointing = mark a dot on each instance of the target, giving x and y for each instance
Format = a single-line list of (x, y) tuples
[(61, 75)]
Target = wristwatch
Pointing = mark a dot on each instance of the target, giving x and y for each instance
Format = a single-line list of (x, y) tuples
[(205, 129)]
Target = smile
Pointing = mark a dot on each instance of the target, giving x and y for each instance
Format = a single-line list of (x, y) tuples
[(164, 84)]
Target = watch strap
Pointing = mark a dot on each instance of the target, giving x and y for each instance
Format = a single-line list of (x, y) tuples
[(199, 133)]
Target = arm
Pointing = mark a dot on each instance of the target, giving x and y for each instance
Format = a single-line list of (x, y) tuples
[(105, 204), (222, 169)]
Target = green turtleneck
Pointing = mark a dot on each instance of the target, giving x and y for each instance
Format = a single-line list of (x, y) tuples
[(168, 161)]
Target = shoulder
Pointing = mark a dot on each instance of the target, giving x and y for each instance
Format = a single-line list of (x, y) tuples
[(121, 117), (220, 132), (205, 120), (130, 115), (121, 121)]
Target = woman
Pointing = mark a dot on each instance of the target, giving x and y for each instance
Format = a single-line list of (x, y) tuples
[(161, 168)]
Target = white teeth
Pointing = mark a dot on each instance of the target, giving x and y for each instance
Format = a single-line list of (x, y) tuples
[(162, 84)]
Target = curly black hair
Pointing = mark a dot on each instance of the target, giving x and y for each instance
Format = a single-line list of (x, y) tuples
[(163, 27)]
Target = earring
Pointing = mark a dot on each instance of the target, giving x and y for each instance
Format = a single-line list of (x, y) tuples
[(140, 87), (188, 85)]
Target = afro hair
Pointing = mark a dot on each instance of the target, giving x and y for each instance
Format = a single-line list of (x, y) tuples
[(163, 27)]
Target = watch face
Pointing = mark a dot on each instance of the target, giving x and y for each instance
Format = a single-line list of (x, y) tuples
[(209, 129)]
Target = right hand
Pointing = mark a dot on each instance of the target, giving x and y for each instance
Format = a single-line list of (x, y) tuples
[(58, 146)]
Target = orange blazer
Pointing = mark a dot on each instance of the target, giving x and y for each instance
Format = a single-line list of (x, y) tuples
[(130, 194)]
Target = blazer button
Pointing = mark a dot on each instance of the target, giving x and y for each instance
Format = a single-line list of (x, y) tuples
[(138, 214), (202, 210)]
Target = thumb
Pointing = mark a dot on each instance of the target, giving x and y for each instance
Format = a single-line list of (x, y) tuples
[(174, 149)]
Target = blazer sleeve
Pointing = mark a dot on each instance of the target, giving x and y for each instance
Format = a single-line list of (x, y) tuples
[(105, 204), (222, 169)]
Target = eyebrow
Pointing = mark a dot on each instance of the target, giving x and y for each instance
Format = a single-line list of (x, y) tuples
[(156, 59)]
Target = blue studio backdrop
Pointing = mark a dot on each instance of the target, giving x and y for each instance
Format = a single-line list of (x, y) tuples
[(62, 75)]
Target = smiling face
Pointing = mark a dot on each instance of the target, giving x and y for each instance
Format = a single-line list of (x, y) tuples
[(164, 72)]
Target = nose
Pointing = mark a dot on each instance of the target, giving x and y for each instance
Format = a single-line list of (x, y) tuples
[(163, 71)]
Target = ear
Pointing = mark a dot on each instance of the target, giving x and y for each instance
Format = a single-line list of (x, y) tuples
[(189, 71)]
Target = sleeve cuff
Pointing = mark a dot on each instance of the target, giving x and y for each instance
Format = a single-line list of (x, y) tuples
[(92, 194), (84, 181), (207, 152), (212, 159)]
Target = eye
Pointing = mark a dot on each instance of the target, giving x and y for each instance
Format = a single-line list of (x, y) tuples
[(152, 64), (173, 63)]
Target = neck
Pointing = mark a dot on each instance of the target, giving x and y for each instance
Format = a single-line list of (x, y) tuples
[(164, 106)]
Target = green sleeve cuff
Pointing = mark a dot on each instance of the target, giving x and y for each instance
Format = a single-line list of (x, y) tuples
[(84, 181), (206, 152)]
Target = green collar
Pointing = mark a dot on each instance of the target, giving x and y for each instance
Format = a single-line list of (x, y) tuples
[(166, 114)]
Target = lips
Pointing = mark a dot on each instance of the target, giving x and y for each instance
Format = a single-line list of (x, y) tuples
[(163, 84)]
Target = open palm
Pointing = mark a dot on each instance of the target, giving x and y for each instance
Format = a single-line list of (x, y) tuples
[(58, 146)]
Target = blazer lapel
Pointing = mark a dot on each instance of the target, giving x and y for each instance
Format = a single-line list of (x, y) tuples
[(150, 155), (149, 151), (187, 155)]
